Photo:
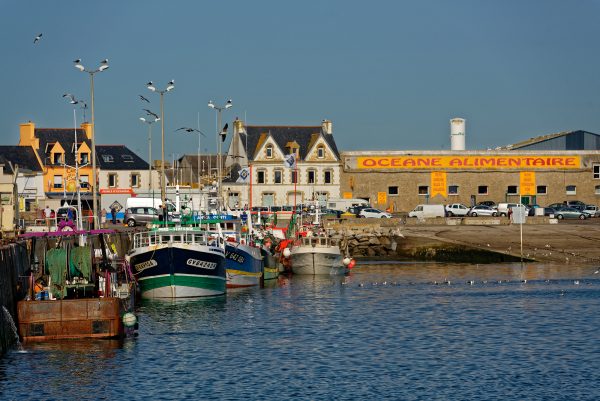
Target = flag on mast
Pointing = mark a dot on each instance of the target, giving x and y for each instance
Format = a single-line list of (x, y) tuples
[(244, 175), (290, 160)]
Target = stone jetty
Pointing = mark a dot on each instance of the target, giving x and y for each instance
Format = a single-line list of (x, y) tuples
[(470, 240)]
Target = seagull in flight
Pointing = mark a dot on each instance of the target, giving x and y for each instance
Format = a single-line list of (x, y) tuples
[(144, 99), (188, 129), (224, 132), (151, 113), (37, 38), (73, 100)]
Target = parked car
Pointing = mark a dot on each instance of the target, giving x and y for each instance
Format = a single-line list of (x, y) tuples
[(575, 203), (331, 213), (135, 216), (425, 211), (503, 208), (592, 210), (556, 205), (376, 213), (482, 210), (487, 203), (569, 213), (457, 209), (355, 210)]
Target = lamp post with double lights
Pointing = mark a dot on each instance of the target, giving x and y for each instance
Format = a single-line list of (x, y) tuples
[(170, 87), (103, 66), (150, 122), (220, 132)]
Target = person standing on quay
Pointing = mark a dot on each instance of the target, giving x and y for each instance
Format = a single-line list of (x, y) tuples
[(103, 218), (113, 213), (47, 214)]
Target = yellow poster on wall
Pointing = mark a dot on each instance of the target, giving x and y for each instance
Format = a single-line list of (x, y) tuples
[(382, 198), (347, 195), (528, 183), (438, 183)]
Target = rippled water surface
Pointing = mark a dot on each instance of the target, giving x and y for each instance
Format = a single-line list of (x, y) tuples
[(385, 332)]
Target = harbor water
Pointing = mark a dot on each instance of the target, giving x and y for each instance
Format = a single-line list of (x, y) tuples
[(403, 331)]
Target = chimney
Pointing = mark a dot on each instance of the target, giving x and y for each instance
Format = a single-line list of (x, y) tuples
[(87, 127), (327, 127), (27, 134), (238, 126)]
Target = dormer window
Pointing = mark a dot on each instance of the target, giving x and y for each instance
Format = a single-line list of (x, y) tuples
[(85, 158), (321, 152), (269, 151), (57, 158), (107, 158), (127, 158)]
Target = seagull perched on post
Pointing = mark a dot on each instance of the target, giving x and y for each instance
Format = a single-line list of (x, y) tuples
[(37, 38), (151, 113), (188, 129), (223, 132), (144, 99)]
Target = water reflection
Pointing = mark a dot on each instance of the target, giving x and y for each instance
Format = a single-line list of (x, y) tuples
[(384, 331)]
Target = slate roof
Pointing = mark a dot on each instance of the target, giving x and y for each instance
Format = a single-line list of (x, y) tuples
[(305, 136), (64, 136), (23, 156), (118, 157)]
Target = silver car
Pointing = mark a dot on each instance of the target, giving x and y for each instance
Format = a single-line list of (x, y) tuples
[(136, 216), (592, 210), (482, 210)]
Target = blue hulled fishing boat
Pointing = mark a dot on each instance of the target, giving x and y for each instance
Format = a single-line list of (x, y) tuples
[(179, 262)]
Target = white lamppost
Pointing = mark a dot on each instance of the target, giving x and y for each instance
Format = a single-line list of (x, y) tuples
[(170, 87), (220, 138), (79, 219), (150, 122), (103, 66)]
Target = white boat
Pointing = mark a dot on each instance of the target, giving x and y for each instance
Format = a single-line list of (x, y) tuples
[(316, 255)]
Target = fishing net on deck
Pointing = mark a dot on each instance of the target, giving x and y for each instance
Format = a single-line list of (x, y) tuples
[(81, 262), (56, 266)]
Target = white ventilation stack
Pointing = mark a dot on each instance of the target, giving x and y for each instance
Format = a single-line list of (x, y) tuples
[(457, 134)]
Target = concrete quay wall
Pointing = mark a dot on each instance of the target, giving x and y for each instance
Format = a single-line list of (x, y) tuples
[(471, 240)]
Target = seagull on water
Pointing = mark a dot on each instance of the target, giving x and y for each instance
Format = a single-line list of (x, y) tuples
[(37, 38)]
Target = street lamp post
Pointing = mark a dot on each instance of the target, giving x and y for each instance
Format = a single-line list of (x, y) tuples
[(219, 109), (170, 87), (79, 219), (103, 66), (149, 122)]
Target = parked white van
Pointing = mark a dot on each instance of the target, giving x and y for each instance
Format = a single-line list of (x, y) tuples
[(147, 202), (344, 204), (503, 208), (427, 211)]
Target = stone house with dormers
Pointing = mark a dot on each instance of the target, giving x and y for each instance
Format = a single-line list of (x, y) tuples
[(271, 183), (55, 149), (121, 172)]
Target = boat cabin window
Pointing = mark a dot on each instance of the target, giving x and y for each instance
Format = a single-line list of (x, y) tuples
[(177, 238)]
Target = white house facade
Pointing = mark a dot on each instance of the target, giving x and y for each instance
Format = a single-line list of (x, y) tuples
[(315, 176)]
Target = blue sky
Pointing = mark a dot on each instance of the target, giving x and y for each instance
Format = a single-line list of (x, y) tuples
[(389, 74)]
